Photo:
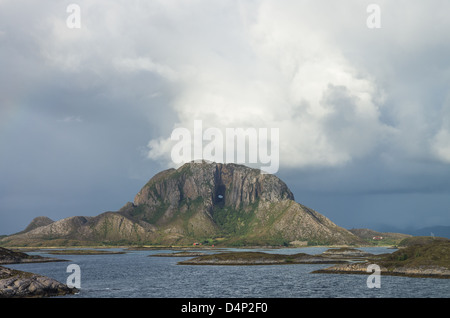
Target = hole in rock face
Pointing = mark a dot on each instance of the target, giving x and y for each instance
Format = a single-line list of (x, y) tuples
[(219, 197)]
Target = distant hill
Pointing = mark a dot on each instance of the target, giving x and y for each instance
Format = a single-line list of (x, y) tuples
[(204, 203), (384, 238), (422, 240), (438, 230), (37, 222)]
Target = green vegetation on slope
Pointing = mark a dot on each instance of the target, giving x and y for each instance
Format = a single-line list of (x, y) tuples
[(433, 252), (421, 240)]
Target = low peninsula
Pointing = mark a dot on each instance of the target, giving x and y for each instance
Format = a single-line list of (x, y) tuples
[(261, 258), (8, 256), (427, 257), (15, 283), (84, 252), (416, 257)]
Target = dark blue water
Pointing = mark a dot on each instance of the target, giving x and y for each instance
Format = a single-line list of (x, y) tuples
[(135, 275)]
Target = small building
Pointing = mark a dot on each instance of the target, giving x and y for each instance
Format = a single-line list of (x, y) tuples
[(377, 238)]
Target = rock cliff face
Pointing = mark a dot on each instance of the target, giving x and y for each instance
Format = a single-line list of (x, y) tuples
[(191, 199), (230, 185), (210, 202)]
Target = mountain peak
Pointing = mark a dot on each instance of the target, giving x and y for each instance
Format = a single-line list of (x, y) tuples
[(218, 184), (38, 222), (211, 202)]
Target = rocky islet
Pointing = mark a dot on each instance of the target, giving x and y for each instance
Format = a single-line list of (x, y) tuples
[(15, 283)]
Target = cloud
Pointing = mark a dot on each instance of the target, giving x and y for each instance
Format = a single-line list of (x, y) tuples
[(286, 76), (145, 64), (359, 109), (441, 144), (71, 119), (334, 101), (337, 90)]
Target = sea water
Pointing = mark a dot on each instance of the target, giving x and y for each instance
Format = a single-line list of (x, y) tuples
[(136, 275)]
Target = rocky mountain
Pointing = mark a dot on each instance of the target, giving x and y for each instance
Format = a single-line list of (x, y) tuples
[(38, 222), (199, 202)]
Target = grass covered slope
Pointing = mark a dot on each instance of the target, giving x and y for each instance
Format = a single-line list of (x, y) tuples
[(418, 252), (379, 238)]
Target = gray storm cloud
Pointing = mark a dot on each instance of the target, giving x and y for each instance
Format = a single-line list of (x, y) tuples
[(262, 64), (358, 109), (289, 75)]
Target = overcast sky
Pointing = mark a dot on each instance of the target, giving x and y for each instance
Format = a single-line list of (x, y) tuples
[(86, 114)]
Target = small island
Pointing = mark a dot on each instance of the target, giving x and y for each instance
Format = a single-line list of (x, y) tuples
[(84, 252), (8, 256), (15, 283), (416, 257), (178, 254), (261, 258)]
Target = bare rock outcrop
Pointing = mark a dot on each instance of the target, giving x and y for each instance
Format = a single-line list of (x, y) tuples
[(216, 184), (8, 256), (14, 283)]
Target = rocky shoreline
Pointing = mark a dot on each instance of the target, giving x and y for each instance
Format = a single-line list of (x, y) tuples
[(13, 257), (178, 254), (430, 260), (20, 284), (84, 252), (416, 257), (427, 257), (261, 258), (361, 268)]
